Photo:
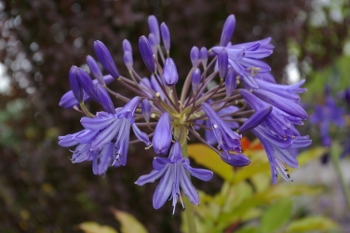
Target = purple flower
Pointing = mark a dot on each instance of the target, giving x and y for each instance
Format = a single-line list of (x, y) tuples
[(162, 134), (278, 120), (280, 150), (345, 96), (170, 72), (326, 115), (173, 171), (194, 55), (153, 43), (127, 46), (222, 63), (230, 82), (256, 119), (165, 36), (104, 98), (236, 160), (290, 92), (128, 61), (105, 58), (247, 98), (77, 88), (227, 139), (87, 84), (68, 100), (196, 79), (105, 139), (203, 56), (95, 69), (147, 54), (227, 30), (154, 27), (244, 58)]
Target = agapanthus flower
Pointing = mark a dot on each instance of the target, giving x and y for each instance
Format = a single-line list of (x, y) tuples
[(173, 172), (227, 92), (326, 115), (105, 139), (280, 150)]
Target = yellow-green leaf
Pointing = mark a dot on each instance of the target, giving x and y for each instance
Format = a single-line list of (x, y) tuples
[(93, 227), (276, 216), (129, 224), (310, 155), (205, 156), (313, 223)]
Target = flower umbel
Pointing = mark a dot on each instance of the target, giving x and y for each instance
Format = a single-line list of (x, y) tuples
[(228, 92)]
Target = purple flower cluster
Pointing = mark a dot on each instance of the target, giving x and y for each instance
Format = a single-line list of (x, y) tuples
[(329, 114), (227, 92)]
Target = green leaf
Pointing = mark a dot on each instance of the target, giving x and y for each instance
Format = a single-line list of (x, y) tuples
[(93, 227), (276, 216), (129, 224), (312, 223), (205, 156)]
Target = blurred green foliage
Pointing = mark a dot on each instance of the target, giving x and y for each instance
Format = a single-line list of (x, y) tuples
[(248, 202)]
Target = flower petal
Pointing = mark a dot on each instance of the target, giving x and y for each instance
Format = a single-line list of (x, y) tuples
[(149, 178), (187, 187), (164, 188), (97, 123), (202, 174)]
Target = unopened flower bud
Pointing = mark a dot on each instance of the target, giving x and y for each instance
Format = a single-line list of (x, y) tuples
[(154, 27), (128, 60), (146, 109), (153, 42), (127, 46), (194, 56), (196, 79), (256, 119), (162, 134), (223, 63), (170, 73), (227, 30), (165, 36), (75, 85), (104, 99), (95, 69), (236, 160), (105, 58), (203, 55), (87, 84), (147, 54), (230, 82)]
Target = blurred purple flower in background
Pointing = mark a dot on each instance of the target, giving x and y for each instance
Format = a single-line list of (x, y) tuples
[(326, 115)]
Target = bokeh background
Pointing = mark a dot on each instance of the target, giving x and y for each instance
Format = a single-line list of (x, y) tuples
[(40, 189)]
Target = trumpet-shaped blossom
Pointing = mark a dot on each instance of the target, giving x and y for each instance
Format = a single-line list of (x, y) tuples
[(227, 139), (280, 150), (162, 135), (105, 139), (173, 173)]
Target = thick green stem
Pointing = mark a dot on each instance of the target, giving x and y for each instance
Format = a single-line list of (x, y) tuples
[(334, 153), (189, 211)]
